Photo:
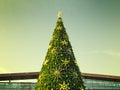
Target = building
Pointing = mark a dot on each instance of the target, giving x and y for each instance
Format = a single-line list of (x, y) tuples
[(91, 81)]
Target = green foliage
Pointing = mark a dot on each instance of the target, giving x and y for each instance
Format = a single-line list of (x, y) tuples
[(60, 70)]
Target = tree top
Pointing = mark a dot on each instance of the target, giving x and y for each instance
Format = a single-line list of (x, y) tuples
[(59, 14)]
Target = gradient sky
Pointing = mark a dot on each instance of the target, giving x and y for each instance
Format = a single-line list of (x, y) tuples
[(93, 26)]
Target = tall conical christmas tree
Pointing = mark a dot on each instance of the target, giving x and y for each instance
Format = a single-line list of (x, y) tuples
[(60, 70)]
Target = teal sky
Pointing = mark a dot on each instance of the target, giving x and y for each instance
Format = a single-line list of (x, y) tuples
[(93, 26)]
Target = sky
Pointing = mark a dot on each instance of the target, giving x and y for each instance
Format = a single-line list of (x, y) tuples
[(93, 27)]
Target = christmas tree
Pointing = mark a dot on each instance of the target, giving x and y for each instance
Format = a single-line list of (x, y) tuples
[(60, 70)]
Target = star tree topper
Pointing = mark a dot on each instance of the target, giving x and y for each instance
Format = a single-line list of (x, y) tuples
[(59, 14)]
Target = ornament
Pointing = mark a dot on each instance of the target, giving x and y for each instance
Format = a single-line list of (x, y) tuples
[(41, 77), (49, 47), (46, 62), (58, 28), (64, 42), (64, 86), (53, 51), (56, 73), (45, 84), (65, 62), (53, 37), (61, 54), (75, 75)]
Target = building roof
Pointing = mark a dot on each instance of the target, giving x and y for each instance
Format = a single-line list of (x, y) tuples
[(101, 77), (34, 75)]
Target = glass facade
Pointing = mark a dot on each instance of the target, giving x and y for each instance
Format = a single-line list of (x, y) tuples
[(91, 84), (17, 85)]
